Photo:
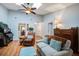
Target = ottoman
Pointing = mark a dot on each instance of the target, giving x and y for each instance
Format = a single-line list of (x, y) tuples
[(28, 51)]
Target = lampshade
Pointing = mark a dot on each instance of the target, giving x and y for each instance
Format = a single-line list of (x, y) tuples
[(59, 26), (58, 21), (23, 28)]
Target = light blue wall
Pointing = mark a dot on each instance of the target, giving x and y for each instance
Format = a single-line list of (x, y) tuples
[(17, 17), (69, 16), (13, 18), (3, 14), (47, 19)]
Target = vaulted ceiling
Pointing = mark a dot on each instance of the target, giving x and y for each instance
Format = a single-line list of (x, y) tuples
[(44, 9)]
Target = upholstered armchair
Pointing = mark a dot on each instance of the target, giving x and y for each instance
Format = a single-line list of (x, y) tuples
[(7, 34), (30, 39)]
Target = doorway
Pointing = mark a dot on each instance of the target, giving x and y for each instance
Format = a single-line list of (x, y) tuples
[(50, 28)]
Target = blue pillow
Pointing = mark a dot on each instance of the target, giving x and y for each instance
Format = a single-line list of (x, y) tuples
[(56, 44)]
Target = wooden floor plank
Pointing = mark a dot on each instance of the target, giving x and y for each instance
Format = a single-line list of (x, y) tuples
[(12, 49)]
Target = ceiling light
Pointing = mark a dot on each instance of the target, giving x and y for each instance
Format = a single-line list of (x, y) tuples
[(37, 5), (27, 11)]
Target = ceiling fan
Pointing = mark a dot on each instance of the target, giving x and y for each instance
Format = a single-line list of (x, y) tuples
[(28, 9)]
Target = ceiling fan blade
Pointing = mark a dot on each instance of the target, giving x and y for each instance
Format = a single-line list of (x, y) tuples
[(33, 8), (24, 6), (33, 12)]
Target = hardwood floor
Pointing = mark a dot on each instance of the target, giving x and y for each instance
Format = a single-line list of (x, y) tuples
[(12, 49)]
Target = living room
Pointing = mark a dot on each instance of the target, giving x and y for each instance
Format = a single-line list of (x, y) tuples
[(46, 21)]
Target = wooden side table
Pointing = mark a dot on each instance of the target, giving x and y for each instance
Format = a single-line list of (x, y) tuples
[(22, 38)]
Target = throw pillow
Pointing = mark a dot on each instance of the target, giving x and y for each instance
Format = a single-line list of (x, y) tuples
[(56, 44), (67, 45), (45, 40)]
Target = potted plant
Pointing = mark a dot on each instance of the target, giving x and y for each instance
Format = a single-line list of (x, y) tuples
[(31, 29)]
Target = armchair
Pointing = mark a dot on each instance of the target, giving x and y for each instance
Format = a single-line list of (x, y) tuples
[(7, 34), (30, 39)]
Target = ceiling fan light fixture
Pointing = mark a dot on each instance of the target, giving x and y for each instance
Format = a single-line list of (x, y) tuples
[(27, 11)]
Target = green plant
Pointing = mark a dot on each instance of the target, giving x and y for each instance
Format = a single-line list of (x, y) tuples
[(31, 29)]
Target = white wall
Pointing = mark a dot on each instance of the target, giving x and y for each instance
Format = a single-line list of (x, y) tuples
[(69, 16), (39, 29)]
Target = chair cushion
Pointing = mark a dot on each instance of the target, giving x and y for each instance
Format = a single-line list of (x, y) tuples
[(45, 40), (29, 37), (56, 44), (48, 51), (41, 44)]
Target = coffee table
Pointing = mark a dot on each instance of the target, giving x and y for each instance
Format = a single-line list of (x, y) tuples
[(28, 51)]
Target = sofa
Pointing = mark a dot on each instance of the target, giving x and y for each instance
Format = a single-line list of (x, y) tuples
[(56, 46), (6, 35)]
